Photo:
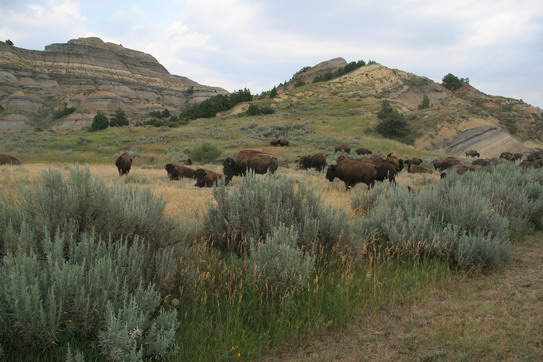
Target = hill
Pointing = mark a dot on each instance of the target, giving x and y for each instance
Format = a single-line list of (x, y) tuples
[(88, 75), (454, 122)]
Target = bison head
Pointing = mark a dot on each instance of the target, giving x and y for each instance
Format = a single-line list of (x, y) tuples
[(331, 173), (169, 167), (229, 168)]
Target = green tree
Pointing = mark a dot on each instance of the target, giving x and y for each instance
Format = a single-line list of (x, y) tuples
[(452, 82), (392, 124), (119, 119), (425, 102), (253, 110), (99, 122), (273, 92)]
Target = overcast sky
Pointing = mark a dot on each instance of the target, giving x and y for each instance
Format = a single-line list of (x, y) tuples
[(257, 44)]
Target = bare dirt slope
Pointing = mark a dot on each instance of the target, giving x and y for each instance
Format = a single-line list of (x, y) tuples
[(486, 317)]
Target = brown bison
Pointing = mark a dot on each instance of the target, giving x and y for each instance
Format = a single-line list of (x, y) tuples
[(282, 143), (316, 161), (385, 169), (123, 163), (472, 153), (412, 168), (343, 148), (9, 160), (445, 162), (481, 162), (508, 156), (398, 163), (413, 161), (186, 162), (175, 172), (244, 160), (529, 164), (206, 178), (352, 172), (362, 151)]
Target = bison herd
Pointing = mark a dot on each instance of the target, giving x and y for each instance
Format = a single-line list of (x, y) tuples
[(366, 169)]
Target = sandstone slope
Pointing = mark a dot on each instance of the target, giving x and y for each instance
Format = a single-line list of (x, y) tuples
[(91, 76)]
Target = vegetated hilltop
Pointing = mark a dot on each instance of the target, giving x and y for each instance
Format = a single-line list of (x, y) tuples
[(87, 75), (444, 119)]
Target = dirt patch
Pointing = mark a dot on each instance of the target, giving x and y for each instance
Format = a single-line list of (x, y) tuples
[(498, 316)]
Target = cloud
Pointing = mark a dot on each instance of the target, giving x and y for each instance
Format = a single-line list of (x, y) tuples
[(31, 24)]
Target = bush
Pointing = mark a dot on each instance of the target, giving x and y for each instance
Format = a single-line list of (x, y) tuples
[(205, 153), (247, 215), (99, 122), (392, 123), (84, 204), (63, 112), (82, 263), (279, 267), (119, 119), (451, 221)]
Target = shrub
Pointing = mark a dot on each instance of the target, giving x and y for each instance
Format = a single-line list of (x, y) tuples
[(99, 122), (63, 112), (84, 204), (91, 290), (279, 267), (451, 221), (248, 214), (84, 263), (205, 153), (119, 119), (392, 123)]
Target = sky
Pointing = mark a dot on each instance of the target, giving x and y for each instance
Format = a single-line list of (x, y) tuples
[(258, 44)]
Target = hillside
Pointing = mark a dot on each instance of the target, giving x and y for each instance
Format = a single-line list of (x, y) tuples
[(454, 122), (89, 75)]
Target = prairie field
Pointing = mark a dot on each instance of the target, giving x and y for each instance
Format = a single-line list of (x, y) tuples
[(238, 274)]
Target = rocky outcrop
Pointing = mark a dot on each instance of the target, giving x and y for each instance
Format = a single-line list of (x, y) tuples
[(308, 74), (89, 75)]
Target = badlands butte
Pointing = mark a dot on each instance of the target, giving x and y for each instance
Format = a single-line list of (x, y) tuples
[(91, 75)]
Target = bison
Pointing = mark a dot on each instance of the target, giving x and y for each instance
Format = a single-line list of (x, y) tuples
[(244, 160), (472, 153), (529, 164), (316, 161), (481, 162), (445, 162), (124, 163), (412, 168), (398, 163), (343, 148), (413, 161), (175, 172), (362, 151), (352, 172), (508, 156), (186, 161), (206, 178), (282, 143), (9, 160)]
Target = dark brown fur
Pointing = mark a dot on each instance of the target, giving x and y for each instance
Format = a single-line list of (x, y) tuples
[(316, 161), (412, 168), (362, 151), (9, 160), (206, 178), (352, 172), (123, 163), (244, 160), (343, 148), (175, 172)]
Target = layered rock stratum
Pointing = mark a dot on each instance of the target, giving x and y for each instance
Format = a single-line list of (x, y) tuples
[(89, 75)]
